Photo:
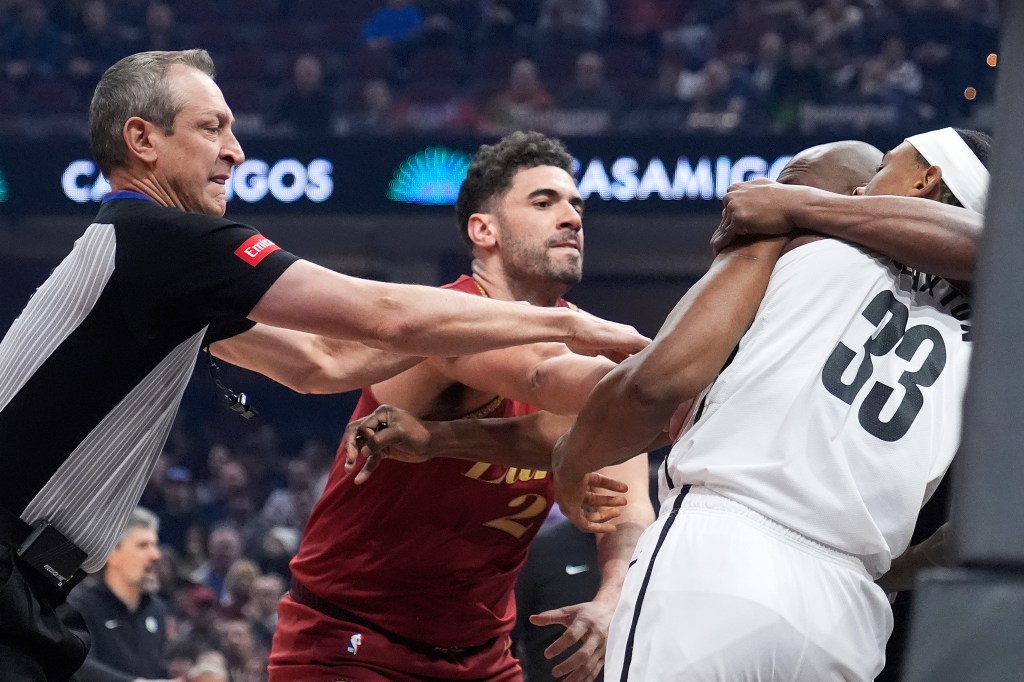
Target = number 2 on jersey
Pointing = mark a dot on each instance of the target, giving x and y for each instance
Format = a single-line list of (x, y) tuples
[(531, 505), (894, 335)]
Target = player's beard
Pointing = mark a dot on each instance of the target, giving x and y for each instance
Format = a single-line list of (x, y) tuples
[(537, 262)]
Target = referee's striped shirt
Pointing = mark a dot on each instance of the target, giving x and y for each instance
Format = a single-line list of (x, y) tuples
[(93, 370)]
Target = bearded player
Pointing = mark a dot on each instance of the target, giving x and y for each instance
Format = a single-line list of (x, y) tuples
[(411, 576)]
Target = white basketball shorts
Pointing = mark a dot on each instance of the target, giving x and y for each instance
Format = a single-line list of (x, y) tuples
[(719, 593)]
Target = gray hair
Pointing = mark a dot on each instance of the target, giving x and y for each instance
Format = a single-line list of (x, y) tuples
[(136, 86), (141, 518)]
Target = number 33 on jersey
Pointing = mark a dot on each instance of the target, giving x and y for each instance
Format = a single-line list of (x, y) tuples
[(887, 363)]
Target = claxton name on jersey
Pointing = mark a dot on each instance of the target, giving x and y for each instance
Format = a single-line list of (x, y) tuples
[(947, 297)]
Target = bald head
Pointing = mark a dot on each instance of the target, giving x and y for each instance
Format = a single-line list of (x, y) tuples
[(838, 167)]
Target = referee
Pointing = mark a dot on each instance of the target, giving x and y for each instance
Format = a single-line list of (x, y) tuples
[(92, 371)]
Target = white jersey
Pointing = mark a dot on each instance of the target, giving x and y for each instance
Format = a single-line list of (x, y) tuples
[(841, 409)]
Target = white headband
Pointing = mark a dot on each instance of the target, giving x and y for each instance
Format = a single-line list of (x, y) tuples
[(964, 174)]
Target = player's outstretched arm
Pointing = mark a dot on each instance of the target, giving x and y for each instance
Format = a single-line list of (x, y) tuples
[(904, 569), (632, 404), (926, 235), (547, 375), (310, 363), (588, 623), (418, 320)]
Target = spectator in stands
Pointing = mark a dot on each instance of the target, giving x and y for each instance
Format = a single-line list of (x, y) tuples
[(181, 657), (391, 25), (100, 45), (834, 22), (739, 34), (243, 514), (888, 83), (666, 80), (207, 491), (127, 622), (291, 506), (161, 30), (246, 660), (880, 20), (168, 574), (947, 40), (200, 629), (941, 40), (305, 106), (719, 102), (643, 21), (903, 75), (31, 49), (438, 30), (153, 494), (694, 37), (871, 83), (210, 666), (238, 585), (662, 110), (797, 82), (224, 549), (433, 107), (462, 15), (375, 110), (279, 546), (260, 454), (320, 458), (261, 611), (520, 105), (771, 59), (590, 89), (194, 552), (498, 25), (871, 103), (231, 479), (178, 510), (255, 669), (591, 103), (576, 22), (930, 27)]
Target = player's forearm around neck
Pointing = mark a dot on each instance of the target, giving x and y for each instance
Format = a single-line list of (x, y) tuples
[(926, 235), (633, 404)]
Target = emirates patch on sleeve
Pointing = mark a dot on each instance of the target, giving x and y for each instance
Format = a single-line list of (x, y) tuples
[(256, 248)]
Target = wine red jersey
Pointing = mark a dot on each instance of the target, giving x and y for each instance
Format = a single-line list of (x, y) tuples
[(429, 551)]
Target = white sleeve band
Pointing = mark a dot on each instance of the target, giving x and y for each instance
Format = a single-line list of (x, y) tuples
[(962, 171)]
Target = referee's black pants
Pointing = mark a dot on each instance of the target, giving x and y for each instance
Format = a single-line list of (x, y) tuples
[(42, 638)]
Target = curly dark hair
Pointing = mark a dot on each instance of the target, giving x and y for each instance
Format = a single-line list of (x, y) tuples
[(490, 175), (980, 143)]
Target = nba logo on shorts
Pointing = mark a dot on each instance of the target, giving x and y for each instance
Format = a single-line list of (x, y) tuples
[(354, 642)]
